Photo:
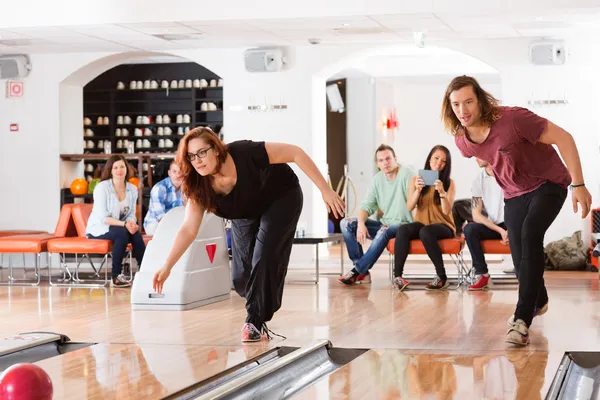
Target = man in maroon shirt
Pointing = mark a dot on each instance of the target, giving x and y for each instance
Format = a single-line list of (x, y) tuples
[(518, 145)]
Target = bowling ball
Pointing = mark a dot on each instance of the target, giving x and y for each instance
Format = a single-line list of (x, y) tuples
[(79, 186), (25, 381)]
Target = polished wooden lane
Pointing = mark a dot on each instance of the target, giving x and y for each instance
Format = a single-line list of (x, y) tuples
[(369, 316), (364, 316), (128, 371), (400, 374)]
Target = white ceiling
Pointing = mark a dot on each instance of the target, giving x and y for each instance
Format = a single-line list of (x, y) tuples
[(410, 61), (383, 28)]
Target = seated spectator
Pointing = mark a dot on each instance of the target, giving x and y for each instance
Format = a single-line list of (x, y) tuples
[(387, 198), (433, 219), (164, 196), (113, 216), (486, 192)]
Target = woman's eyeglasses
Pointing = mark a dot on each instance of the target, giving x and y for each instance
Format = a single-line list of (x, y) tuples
[(200, 154)]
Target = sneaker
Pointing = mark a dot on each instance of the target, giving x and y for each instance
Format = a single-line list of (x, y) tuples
[(437, 284), (536, 313), (483, 282), (353, 277), (509, 271), (250, 333), (118, 281), (518, 333), (400, 283)]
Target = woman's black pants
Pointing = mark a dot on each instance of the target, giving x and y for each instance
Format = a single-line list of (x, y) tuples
[(261, 249)]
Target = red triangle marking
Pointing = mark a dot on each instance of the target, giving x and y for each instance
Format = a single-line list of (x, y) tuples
[(211, 248)]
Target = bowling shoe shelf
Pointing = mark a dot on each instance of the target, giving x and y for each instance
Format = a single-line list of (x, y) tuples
[(147, 108)]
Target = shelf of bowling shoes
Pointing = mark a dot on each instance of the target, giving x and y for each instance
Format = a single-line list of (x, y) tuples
[(184, 124), (153, 136), (152, 90), (102, 137), (128, 156)]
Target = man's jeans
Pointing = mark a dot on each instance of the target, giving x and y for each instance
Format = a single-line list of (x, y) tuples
[(380, 236)]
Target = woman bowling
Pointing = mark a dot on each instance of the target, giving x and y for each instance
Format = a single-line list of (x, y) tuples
[(251, 184)]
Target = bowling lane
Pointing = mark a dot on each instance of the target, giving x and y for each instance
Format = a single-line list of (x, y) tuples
[(398, 374), (128, 371)]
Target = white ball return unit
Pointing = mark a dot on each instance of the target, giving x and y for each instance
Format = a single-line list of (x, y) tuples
[(201, 276)]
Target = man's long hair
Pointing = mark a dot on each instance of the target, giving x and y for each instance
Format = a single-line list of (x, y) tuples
[(489, 105)]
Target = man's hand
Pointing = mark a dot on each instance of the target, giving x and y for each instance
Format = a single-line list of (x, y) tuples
[(582, 196), (362, 233), (504, 234)]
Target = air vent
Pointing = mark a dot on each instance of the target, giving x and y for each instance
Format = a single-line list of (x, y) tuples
[(23, 42), (179, 36), (363, 31)]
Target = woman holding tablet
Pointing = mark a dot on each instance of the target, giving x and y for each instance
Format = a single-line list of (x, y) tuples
[(431, 193)]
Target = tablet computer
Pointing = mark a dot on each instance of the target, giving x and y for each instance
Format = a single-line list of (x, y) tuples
[(429, 176)]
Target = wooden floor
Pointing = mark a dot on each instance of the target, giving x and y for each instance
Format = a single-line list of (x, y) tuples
[(446, 345)]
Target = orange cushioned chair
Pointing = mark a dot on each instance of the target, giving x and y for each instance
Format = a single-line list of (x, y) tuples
[(494, 246), (16, 233), (20, 232), (452, 247), (37, 244), (84, 246)]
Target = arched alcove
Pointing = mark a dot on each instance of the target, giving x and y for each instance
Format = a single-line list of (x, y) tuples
[(429, 66), (138, 104)]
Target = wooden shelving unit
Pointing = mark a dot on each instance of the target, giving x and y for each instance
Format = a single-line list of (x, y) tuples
[(148, 118), (146, 123)]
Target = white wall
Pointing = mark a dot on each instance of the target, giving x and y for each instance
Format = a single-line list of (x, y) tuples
[(360, 99), (29, 159), (384, 105), (418, 102)]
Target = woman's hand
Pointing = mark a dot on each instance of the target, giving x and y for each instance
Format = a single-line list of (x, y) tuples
[(439, 186), (131, 226), (419, 184), (159, 279), (334, 202)]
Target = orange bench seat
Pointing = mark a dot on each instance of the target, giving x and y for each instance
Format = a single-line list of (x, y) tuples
[(494, 246), (36, 243), (20, 232), (448, 246), (79, 245)]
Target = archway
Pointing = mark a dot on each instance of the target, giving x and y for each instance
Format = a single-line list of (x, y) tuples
[(133, 103), (379, 72)]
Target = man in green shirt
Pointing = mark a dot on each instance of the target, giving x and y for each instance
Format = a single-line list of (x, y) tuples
[(387, 194)]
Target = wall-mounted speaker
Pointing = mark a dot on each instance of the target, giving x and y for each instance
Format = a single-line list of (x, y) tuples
[(14, 66), (264, 60), (547, 53)]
